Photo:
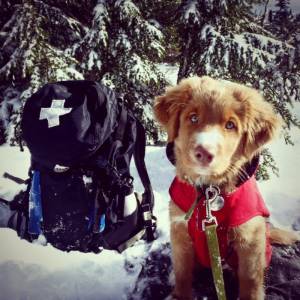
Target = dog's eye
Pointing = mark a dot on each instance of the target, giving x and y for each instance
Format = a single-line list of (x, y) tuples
[(230, 125), (194, 118)]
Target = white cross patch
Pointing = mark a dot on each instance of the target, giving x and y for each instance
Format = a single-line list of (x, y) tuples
[(53, 112)]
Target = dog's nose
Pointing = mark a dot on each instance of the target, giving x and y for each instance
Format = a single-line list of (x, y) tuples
[(203, 155)]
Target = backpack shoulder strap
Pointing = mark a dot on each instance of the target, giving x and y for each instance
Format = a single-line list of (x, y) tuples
[(148, 197), (139, 159)]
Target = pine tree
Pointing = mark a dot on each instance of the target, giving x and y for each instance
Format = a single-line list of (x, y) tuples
[(296, 43), (115, 42), (33, 52), (92, 50), (223, 39), (165, 14), (121, 49)]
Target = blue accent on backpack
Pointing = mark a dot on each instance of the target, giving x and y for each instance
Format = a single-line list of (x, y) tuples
[(102, 223), (35, 206)]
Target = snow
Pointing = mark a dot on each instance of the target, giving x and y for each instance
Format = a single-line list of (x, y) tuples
[(191, 12), (101, 16), (262, 48), (140, 70), (10, 104), (45, 273), (93, 60), (32, 271), (153, 31), (123, 42), (170, 72), (128, 10), (282, 193), (100, 9)]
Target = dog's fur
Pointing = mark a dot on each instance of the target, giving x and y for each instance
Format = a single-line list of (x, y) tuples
[(217, 127)]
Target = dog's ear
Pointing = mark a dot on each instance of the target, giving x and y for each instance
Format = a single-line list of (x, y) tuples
[(167, 107), (261, 122)]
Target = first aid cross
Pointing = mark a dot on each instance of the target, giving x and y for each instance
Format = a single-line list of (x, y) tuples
[(53, 112)]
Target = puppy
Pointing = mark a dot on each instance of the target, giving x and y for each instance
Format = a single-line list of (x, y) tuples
[(218, 129)]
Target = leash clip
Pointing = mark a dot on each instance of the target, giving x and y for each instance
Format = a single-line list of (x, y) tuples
[(211, 193), (216, 201)]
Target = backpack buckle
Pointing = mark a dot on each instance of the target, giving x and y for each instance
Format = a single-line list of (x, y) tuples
[(149, 222)]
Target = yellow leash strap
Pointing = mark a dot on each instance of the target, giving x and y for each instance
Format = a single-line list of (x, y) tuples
[(215, 260)]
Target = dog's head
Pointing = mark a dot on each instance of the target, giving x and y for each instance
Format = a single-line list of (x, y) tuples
[(216, 126)]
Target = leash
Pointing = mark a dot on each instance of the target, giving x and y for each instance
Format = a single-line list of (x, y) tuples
[(209, 225), (213, 201)]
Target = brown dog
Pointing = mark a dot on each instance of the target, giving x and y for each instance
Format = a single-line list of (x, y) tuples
[(218, 128)]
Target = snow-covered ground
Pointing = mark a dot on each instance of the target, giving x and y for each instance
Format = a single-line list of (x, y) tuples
[(32, 271)]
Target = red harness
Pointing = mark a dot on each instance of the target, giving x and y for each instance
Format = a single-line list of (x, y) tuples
[(240, 206)]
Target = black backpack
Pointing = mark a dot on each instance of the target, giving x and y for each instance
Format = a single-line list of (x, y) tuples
[(82, 139)]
